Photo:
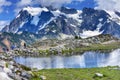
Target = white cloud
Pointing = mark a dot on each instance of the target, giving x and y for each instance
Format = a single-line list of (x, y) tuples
[(24, 3), (4, 3), (108, 4), (3, 24), (54, 3)]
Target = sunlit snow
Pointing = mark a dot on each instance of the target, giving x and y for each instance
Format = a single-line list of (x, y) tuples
[(89, 33), (35, 11)]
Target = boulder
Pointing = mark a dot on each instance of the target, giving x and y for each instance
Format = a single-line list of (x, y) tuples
[(26, 75), (99, 75), (42, 77), (6, 70), (4, 76)]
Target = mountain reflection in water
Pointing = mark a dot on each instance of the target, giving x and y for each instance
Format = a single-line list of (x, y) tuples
[(87, 60)]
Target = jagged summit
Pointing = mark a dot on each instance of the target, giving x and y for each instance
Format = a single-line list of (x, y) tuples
[(65, 22)]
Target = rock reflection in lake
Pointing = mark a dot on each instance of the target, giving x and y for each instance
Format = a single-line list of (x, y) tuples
[(87, 60)]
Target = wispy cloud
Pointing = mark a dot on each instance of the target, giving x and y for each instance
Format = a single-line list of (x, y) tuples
[(108, 4), (4, 3), (3, 23), (54, 3), (24, 3)]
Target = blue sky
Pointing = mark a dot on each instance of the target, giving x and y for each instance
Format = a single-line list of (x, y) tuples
[(81, 5), (10, 8), (9, 12)]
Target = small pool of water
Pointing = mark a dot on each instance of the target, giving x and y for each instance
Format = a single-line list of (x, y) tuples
[(87, 60)]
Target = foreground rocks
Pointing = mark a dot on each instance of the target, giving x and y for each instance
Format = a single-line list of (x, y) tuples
[(43, 77), (98, 74), (10, 70)]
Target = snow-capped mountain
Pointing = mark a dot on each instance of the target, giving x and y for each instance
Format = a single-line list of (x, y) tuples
[(65, 22)]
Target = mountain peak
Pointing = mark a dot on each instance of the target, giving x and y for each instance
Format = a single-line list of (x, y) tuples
[(49, 22), (68, 10), (35, 10)]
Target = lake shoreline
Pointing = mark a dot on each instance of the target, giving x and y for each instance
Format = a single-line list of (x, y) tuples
[(66, 52), (10, 55), (87, 60), (36, 74), (66, 48)]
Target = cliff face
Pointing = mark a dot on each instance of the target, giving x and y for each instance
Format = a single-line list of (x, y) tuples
[(56, 23), (34, 23), (10, 41)]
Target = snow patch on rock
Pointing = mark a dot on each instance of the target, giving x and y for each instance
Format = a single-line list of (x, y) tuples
[(99, 26), (64, 36), (43, 26), (89, 33), (35, 10), (114, 16), (35, 20), (101, 19)]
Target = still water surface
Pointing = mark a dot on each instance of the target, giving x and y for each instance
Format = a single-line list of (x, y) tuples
[(87, 60)]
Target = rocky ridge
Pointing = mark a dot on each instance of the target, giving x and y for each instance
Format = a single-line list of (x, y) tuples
[(65, 22)]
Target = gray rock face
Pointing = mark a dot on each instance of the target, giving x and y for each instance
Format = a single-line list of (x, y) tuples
[(25, 75), (15, 24), (43, 77), (99, 74), (51, 23)]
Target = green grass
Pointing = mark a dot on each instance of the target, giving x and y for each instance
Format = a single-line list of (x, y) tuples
[(98, 47), (78, 74), (25, 68)]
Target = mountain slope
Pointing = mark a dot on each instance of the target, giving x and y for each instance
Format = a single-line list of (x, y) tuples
[(64, 22), (11, 40)]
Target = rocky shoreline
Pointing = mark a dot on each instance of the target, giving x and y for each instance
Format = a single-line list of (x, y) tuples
[(61, 51), (10, 70)]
